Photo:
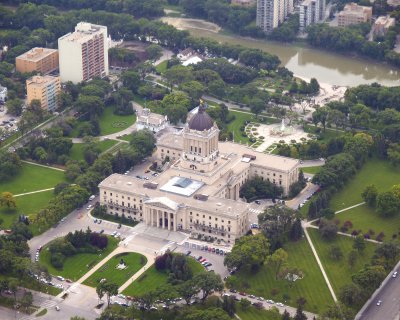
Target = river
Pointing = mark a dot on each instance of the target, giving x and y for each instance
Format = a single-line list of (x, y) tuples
[(303, 61)]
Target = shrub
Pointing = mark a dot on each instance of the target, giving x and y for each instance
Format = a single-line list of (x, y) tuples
[(57, 260), (380, 236)]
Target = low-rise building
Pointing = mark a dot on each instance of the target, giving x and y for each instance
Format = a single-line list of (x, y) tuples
[(149, 120), (185, 54), (46, 89), (199, 192), (42, 60), (382, 25), (354, 14)]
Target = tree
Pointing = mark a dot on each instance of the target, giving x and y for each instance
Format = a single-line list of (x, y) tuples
[(369, 278), (359, 243), (394, 154), (370, 194), (154, 51), (321, 116), (108, 288), (7, 199), (286, 315), (194, 89), (296, 231), (388, 204), (143, 142), (187, 290), (278, 260), (131, 80), (387, 254), (14, 107), (245, 303), (91, 105), (335, 252), (177, 75), (10, 165), (247, 252), (229, 305), (351, 295), (176, 106), (328, 229), (208, 282), (300, 314), (27, 300)]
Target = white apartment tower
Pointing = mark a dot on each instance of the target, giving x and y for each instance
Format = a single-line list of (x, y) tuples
[(83, 54), (311, 11), (270, 13)]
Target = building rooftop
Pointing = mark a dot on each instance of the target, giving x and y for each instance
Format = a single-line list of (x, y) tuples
[(127, 184), (36, 54), (201, 120), (40, 80), (84, 31)]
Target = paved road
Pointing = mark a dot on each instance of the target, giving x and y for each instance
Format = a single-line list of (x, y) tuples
[(389, 294)]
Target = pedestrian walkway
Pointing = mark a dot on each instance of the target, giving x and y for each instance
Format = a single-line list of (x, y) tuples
[(319, 262), (150, 261), (349, 208), (33, 192), (343, 234), (42, 165)]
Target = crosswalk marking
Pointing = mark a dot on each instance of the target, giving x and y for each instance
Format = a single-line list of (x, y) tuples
[(255, 211)]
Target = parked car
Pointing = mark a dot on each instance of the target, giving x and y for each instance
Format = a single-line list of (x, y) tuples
[(394, 274)]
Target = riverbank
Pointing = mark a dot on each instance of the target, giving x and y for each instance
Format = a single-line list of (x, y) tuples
[(303, 60)]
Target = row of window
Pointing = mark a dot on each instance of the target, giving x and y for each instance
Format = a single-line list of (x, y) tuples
[(209, 217)]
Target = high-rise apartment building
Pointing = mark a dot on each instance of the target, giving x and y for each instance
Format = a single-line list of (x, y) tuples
[(84, 53), (354, 14), (270, 13), (42, 60), (311, 11), (45, 89)]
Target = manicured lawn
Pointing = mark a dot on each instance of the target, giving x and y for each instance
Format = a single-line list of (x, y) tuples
[(364, 218), (240, 121), (76, 266), (134, 262), (323, 135), (375, 171), (27, 205), (312, 287), (255, 314), (311, 170), (162, 67), (78, 148), (338, 271), (112, 123), (152, 279), (32, 178)]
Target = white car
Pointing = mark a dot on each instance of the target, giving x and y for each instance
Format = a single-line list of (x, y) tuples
[(270, 301), (394, 275), (280, 304), (89, 207), (379, 302)]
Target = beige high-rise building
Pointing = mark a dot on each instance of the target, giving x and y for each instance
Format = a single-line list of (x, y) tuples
[(199, 192), (84, 53), (46, 89), (354, 14), (42, 60)]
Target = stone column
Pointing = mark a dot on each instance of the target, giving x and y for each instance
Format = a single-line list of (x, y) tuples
[(158, 219), (169, 220), (163, 219), (175, 226)]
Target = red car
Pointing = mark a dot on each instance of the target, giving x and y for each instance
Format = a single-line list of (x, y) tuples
[(242, 293)]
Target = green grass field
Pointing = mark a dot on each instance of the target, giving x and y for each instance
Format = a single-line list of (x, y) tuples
[(365, 218), (311, 170), (162, 67), (78, 148), (375, 171), (323, 135), (312, 287), (32, 178), (26, 205), (239, 121), (76, 266), (254, 314), (152, 279), (134, 261), (338, 271), (112, 123)]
